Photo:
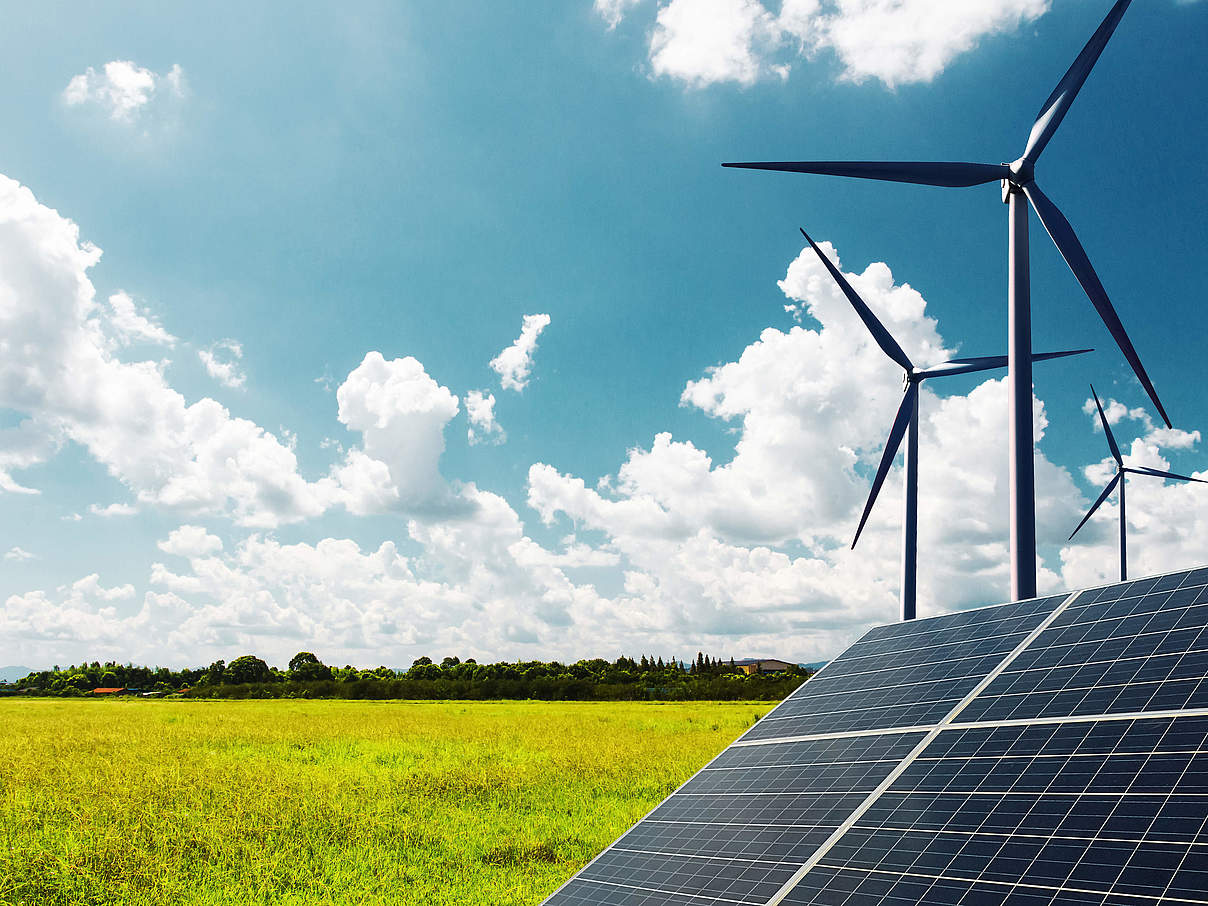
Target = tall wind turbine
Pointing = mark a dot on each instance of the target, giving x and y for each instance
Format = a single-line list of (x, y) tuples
[(1118, 478), (1018, 190), (906, 424)]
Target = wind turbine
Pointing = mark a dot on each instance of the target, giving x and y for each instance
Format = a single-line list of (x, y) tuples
[(1018, 190), (1118, 478), (906, 424)]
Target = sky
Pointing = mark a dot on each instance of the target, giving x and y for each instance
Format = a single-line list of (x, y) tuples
[(437, 329)]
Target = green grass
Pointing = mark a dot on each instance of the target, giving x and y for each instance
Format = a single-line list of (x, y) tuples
[(121, 803)]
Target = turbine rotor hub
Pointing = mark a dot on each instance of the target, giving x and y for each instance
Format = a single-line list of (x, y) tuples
[(1021, 175)]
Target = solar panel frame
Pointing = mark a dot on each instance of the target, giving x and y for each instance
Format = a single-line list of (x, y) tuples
[(1150, 633)]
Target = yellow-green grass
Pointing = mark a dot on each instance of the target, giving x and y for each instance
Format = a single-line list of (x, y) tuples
[(330, 802)]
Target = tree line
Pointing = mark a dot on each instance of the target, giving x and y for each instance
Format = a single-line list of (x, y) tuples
[(625, 679)]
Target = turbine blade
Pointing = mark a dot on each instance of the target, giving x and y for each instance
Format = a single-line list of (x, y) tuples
[(987, 363), (900, 422), (1046, 356), (965, 366), (1111, 441), (951, 174), (1075, 256), (1111, 486), (1145, 470), (883, 337), (1053, 111)]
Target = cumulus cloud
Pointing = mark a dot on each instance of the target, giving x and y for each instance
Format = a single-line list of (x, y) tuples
[(706, 41), (480, 410), (514, 364), (477, 586), (221, 361), (60, 369), (18, 554), (740, 549), (190, 541), (703, 42), (401, 414), (122, 90), (133, 326), (812, 408)]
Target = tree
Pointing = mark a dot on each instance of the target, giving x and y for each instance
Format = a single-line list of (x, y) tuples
[(305, 667), (420, 661), (450, 662), (216, 673), (248, 669)]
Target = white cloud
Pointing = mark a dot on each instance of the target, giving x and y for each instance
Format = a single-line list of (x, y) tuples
[(401, 414), (480, 410), (706, 41), (906, 41), (60, 370), (702, 42), (613, 11), (23, 446), (707, 543), (19, 554), (133, 326), (221, 362), (190, 541), (122, 90), (514, 363), (741, 551), (113, 509)]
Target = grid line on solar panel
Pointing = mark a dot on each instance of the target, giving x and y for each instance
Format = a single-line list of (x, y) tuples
[(1133, 835), (564, 896), (913, 686), (722, 818), (970, 617), (933, 654), (1121, 654), (822, 851), (681, 874), (593, 897), (936, 644), (752, 854), (882, 886)]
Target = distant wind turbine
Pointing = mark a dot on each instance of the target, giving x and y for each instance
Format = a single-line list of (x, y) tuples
[(1118, 478), (1018, 189), (906, 423)]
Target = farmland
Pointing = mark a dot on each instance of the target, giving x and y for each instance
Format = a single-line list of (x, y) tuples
[(330, 802)]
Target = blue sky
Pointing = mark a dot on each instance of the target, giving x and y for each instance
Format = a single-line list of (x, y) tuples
[(311, 185)]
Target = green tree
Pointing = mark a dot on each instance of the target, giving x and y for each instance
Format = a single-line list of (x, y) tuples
[(305, 667), (248, 669)]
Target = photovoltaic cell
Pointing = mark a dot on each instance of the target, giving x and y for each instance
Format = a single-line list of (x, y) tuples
[(905, 674), (737, 830), (1136, 647), (1048, 752), (1098, 807)]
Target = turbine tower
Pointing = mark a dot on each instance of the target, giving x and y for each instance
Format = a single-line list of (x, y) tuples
[(1118, 478), (1018, 190), (906, 424)]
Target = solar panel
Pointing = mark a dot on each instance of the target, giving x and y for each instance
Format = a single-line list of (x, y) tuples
[(1052, 751)]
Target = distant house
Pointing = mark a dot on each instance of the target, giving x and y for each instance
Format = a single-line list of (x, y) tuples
[(751, 665), (109, 690)]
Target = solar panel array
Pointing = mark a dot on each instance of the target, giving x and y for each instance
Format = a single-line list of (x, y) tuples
[(1052, 751)]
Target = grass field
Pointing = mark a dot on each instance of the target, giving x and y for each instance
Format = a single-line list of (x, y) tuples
[(330, 802)]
